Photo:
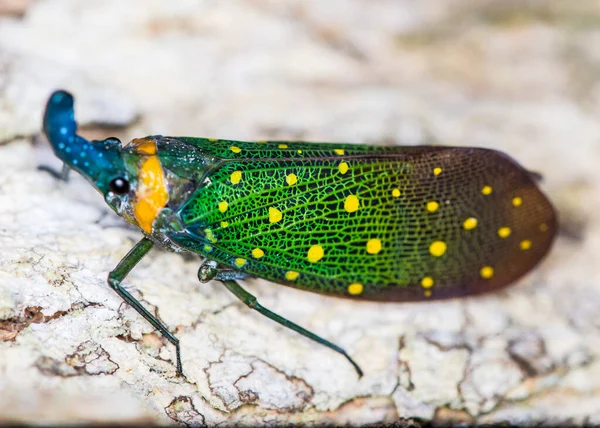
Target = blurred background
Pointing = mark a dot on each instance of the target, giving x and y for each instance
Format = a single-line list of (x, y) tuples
[(518, 76)]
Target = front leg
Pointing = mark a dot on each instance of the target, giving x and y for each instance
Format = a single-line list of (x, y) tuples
[(62, 175), (117, 276)]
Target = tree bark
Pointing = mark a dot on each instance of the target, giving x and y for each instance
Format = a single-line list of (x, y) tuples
[(521, 78)]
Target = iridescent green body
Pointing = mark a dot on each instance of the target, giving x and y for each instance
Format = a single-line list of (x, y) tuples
[(387, 218), (358, 221)]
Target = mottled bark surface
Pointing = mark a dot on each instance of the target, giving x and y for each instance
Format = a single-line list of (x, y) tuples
[(522, 77)]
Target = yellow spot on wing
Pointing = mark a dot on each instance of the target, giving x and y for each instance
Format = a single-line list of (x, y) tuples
[(291, 275), (470, 223), (395, 193), (274, 215), (210, 235), (208, 248), (235, 149), (427, 282), (432, 206), (343, 168), (355, 288), (291, 179), (437, 171), (151, 195), (504, 232), (315, 253), (351, 203), (486, 272), (438, 248), (374, 246), (517, 202), (224, 224), (213, 140), (223, 206), (257, 253), (236, 176), (283, 146), (239, 262), (299, 152), (487, 190), (525, 245), (339, 151)]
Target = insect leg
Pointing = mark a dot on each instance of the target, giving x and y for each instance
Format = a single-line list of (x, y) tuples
[(209, 270), (230, 275), (115, 278), (251, 302), (62, 175)]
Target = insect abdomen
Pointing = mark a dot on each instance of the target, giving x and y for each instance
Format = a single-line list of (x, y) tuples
[(432, 223)]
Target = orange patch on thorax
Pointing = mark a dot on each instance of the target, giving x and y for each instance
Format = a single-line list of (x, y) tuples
[(145, 146), (151, 195)]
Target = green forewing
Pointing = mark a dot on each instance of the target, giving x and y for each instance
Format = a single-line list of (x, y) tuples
[(377, 223)]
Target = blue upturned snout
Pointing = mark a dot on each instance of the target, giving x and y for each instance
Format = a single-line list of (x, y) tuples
[(97, 161)]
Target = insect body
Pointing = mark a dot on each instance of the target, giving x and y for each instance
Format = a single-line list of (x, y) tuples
[(355, 221)]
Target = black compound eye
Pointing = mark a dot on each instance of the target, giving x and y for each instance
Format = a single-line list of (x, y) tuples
[(119, 186)]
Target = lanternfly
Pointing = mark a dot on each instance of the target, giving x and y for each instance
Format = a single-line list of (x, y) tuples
[(363, 222)]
